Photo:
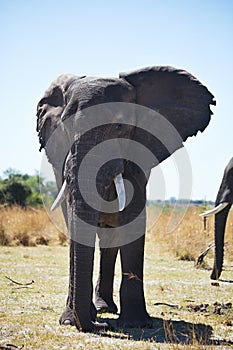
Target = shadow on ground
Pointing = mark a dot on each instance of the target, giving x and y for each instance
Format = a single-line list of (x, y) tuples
[(168, 331)]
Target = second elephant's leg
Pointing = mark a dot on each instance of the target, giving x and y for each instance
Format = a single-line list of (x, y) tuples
[(133, 309)]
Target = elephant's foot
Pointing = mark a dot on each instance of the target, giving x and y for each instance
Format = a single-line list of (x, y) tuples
[(134, 319), (96, 327), (103, 306), (67, 317), (215, 274)]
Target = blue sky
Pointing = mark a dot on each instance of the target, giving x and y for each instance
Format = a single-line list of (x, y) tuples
[(42, 39)]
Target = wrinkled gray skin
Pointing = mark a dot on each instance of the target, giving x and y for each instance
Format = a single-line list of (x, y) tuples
[(182, 100), (225, 195)]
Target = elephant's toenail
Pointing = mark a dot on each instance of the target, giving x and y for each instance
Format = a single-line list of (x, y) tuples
[(67, 322)]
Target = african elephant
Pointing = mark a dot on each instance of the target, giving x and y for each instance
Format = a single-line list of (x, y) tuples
[(223, 204), (155, 108)]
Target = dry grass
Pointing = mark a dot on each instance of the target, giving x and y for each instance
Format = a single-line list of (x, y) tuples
[(188, 237), (188, 312), (27, 227), (30, 227)]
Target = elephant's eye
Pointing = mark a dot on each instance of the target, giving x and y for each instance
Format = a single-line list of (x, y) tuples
[(119, 126), (230, 176)]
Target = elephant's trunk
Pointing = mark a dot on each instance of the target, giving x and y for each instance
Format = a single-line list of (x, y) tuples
[(83, 215), (220, 224)]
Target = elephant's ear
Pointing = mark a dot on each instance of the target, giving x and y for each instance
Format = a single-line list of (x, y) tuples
[(176, 95), (51, 106)]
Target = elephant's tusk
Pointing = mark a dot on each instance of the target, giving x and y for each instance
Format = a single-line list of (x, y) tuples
[(60, 197), (120, 189), (215, 210)]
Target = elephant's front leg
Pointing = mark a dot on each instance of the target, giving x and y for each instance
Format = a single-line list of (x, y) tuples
[(133, 309), (104, 288), (83, 289)]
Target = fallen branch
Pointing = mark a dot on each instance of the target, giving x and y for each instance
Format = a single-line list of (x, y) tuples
[(18, 283), (203, 254)]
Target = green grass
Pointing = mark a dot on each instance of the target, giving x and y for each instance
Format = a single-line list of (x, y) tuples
[(174, 292)]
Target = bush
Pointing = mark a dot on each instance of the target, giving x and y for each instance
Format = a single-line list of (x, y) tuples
[(20, 189), (15, 192)]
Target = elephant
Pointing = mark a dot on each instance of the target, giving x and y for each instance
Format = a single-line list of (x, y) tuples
[(221, 210), (156, 108)]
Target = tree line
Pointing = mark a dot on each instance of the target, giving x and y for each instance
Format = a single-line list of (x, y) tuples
[(23, 189)]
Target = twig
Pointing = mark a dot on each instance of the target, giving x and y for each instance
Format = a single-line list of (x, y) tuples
[(205, 223), (166, 304), (131, 276), (20, 284), (10, 347)]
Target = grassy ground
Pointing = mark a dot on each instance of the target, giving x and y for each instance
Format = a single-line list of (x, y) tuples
[(187, 311)]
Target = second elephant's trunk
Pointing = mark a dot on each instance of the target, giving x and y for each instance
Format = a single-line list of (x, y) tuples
[(219, 231)]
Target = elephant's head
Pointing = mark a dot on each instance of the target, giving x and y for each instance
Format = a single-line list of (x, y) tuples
[(98, 131), (223, 204), (182, 103)]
